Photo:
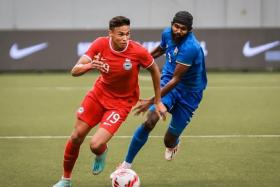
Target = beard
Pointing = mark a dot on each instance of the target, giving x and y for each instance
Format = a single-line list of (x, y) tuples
[(177, 37)]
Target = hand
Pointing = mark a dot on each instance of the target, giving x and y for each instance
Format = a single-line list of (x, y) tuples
[(143, 106), (101, 66), (97, 63), (161, 110)]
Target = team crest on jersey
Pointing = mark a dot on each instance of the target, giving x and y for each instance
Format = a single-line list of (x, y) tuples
[(175, 51), (127, 65)]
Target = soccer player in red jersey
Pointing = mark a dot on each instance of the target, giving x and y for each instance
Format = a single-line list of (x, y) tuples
[(113, 95)]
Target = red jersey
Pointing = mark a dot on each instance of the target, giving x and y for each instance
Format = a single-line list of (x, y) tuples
[(121, 79)]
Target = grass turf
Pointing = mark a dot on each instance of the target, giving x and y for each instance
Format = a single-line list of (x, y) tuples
[(233, 104)]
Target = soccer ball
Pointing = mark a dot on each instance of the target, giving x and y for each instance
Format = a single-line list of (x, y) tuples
[(125, 178)]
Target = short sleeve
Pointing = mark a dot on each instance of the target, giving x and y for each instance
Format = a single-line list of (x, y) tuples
[(163, 41), (94, 49), (186, 55), (146, 59)]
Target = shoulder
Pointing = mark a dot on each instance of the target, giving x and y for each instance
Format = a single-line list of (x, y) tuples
[(166, 32), (141, 53), (191, 44), (96, 46), (101, 40), (136, 46)]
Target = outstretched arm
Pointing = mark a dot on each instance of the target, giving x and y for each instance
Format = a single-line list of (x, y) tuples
[(179, 71), (155, 73), (84, 65)]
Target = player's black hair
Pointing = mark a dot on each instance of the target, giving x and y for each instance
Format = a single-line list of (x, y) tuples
[(184, 18), (118, 21)]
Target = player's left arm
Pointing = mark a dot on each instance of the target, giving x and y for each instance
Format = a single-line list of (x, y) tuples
[(184, 60), (155, 73), (180, 70)]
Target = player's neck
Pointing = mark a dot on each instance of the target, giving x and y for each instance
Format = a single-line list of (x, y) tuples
[(116, 48)]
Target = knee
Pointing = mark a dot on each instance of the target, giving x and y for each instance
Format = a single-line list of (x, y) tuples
[(151, 121), (97, 147), (94, 146), (76, 138)]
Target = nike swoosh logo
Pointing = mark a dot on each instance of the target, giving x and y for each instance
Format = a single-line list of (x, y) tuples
[(16, 53), (249, 51)]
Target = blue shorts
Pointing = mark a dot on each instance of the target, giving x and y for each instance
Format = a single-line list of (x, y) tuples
[(181, 105)]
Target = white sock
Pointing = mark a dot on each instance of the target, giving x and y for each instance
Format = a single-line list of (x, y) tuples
[(68, 179), (126, 165)]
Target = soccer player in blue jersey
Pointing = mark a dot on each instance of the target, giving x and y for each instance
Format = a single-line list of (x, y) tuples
[(183, 81)]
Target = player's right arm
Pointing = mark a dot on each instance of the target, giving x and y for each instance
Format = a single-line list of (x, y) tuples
[(160, 49), (84, 65), (157, 52), (91, 59)]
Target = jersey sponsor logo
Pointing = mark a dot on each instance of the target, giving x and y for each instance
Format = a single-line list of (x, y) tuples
[(127, 65), (16, 53), (106, 67), (103, 59), (99, 57), (249, 51)]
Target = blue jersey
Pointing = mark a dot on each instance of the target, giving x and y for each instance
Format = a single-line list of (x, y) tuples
[(187, 52)]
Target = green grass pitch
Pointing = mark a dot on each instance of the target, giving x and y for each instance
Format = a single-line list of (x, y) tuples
[(232, 141)]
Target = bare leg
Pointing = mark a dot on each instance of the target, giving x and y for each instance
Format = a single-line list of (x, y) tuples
[(98, 146)]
